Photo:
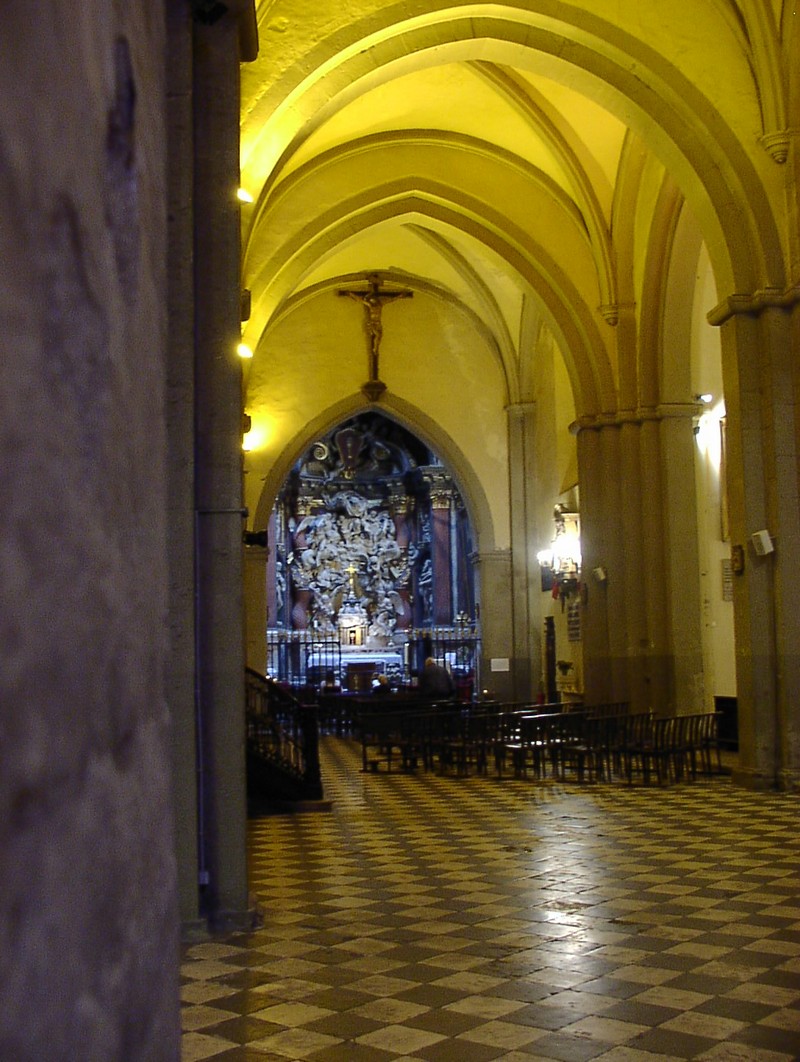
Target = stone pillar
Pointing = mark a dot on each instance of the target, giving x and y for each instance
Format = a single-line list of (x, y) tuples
[(760, 371), (526, 588), (680, 583), (660, 673), (219, 475), (603, 546), (497, 640), (635, 637), (642, 636), (88, 898), (255, 606), (180, 676)]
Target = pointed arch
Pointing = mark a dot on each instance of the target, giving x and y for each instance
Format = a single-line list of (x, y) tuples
[(411, 418), (569, 316), (684, 126)]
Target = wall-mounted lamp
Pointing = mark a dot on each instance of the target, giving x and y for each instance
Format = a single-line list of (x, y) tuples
[(254, 436), (244, 196), (762, 543), (561, 562), (244, 351), (704, 399)]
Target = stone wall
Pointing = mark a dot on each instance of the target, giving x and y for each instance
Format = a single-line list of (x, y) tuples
[(88, 922)]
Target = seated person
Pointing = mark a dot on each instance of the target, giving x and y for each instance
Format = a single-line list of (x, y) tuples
[(436, 682), (380, 686), (330, 685)]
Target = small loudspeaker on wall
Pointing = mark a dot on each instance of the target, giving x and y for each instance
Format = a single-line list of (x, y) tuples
[(762, 543)]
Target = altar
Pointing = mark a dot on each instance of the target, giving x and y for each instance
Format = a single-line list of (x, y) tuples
[(355, 667)]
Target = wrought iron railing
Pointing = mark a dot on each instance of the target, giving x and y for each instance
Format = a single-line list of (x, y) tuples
[(282, 742), (300, 658)]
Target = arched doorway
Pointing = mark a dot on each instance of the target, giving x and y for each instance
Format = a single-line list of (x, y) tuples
[(370, 567)]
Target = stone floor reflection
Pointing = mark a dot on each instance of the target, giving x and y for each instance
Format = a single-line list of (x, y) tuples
[(470, 919)]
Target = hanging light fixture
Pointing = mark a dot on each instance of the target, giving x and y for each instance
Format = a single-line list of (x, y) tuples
[(561, 561)]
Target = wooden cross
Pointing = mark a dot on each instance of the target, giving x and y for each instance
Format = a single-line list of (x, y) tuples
[(373, 302)]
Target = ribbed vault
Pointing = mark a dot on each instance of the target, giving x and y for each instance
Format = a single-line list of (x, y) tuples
[(522, 168)]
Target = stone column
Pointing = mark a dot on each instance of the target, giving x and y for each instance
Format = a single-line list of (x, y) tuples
[(642, 636), (680, 583), (659, 666), (760, 371), (635, 637), (255, 606), (494, 581), (220, 524), (180, 676), (602, 546), (88, 898), (525, 538)]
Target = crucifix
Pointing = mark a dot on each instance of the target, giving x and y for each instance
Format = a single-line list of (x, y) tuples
[(373, 302), (351, 571)]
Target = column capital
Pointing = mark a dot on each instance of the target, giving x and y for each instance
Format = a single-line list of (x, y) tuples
[(611, 311), (640, 415), (441, 489), (498, 555), (520, 409), (441, 497), (777, 142), (754, 303)]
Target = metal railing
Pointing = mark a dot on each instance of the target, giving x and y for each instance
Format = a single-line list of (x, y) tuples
[(282, 742), (300, 658)]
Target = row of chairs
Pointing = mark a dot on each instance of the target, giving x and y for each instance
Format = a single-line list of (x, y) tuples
[(591, 744), (447, 735), (597, 747)]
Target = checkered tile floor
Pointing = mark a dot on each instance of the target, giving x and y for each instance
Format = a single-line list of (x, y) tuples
[(468, 919)]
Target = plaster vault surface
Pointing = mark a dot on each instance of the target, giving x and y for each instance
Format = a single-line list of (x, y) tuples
[(518, 168)]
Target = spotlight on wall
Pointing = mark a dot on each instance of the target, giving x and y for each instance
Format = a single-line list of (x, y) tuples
[(705, 399), (244, 196)]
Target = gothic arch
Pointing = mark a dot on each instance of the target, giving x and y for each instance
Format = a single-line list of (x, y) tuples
[(409, 417), (570, 318), (685, 127)]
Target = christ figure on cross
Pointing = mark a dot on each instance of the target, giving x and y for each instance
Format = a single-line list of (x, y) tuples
[(373, 302)]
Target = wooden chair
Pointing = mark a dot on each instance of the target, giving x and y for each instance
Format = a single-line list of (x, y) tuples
[(381, 737), (708, 743), (654, 751), (586, 748)]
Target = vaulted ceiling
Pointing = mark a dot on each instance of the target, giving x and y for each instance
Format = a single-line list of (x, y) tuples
[(520, 168)]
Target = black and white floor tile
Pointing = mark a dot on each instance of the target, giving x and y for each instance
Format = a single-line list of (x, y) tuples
[(470, 919)]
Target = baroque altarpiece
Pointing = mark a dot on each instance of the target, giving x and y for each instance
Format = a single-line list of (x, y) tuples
[(371, 549)]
